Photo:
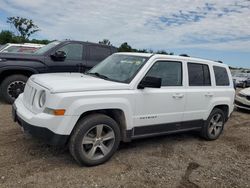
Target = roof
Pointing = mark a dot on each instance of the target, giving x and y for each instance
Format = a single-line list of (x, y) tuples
[(65, 41), (183, 58)]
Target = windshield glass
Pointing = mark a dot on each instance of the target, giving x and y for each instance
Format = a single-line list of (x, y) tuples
[(3, 46), (118, 67), (47, 47)]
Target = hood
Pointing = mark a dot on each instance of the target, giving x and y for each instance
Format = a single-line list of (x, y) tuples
[(75, 82), (245, 91), (18, 56)]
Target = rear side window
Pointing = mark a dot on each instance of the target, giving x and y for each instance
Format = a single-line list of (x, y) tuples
[(199, 74), (221, 76), (98, 53)]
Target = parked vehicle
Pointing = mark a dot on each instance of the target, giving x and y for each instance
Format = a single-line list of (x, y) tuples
[(20, 48), (246, 83), (58, 56), (242, 99), (240, 79), (127, 96)]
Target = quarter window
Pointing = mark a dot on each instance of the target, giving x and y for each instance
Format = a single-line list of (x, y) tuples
[(170, 72), (199, 74), (221, 76), (73, 51)]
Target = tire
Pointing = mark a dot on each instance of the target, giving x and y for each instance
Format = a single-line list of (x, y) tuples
[(214, 125), (90, 148), (12, 86)]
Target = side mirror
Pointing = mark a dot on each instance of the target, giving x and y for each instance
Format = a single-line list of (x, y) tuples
[(149, 81), (59, 56)]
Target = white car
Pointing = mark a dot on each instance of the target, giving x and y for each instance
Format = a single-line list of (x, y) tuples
[(242, 99), (126, 96), (20, 48), (240, 79)]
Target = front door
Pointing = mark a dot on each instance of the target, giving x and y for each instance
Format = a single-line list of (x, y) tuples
[(161, 109), (74, 61)]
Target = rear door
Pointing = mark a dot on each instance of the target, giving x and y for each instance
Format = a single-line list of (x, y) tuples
[(97, 53), (74, 61), (199, 92)]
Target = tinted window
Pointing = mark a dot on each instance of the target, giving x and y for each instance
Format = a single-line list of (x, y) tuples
[(221, 76), (169, 72), (198, 74), (73, 51), (98, 52)]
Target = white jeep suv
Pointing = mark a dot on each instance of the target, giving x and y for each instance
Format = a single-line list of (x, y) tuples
[(127, 96)]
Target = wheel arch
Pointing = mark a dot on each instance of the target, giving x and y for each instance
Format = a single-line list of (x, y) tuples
[(23, 71), (115, 113), (224, 108)]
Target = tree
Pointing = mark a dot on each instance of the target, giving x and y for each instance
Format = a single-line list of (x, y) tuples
[(105, 42), (6, 37), (25, 27), (125, 48)]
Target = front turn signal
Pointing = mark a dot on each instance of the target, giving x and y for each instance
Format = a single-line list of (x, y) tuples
[(55, 112), (59, 112)]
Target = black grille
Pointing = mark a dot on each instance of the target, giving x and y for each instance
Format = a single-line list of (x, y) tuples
[(248, 98)]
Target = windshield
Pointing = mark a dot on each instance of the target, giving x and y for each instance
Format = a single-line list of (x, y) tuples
[(47, 47), (118, 67), (3, 46)]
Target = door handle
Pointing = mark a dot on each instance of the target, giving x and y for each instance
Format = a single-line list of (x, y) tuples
[(209, 95), (178, 96)]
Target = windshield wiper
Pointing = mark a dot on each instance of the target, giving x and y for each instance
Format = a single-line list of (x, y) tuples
[(98, 75)]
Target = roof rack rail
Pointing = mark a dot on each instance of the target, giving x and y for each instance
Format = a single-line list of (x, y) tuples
[(184, 55), (219, 61)]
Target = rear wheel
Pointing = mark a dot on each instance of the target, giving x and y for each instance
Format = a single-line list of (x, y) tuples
[(214, 125), (94, 140), (12, 87)]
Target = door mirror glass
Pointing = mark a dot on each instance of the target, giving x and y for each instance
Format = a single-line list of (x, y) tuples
[(149, 81), (59, 56)]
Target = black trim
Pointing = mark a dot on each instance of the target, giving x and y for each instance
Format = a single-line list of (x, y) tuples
[(162, 129), (152, 129), (41, 133)]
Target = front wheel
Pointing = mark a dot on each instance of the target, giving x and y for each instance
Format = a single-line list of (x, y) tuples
[(94, 140), (12, 87), (214, 125)]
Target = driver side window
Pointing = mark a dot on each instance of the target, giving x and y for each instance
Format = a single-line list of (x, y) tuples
[(73, 51), (169, 71)]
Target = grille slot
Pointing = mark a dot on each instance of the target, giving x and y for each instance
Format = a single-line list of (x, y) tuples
[(29, 95)]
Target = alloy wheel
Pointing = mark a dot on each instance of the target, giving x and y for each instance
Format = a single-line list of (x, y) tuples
[(98, 141), (215, 125)]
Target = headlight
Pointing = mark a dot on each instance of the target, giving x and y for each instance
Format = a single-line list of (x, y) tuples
[(42, 99), (241, 95)]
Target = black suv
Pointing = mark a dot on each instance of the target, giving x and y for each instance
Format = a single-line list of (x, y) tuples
[(58, 56)]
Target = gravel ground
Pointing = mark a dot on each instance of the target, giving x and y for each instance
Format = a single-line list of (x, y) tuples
[(180, 160)]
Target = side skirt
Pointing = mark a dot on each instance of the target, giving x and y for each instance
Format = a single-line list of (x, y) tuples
[(163, 129)]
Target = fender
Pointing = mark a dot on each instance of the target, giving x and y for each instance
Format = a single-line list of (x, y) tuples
[(81, 106), (216, 102), (16, 68)]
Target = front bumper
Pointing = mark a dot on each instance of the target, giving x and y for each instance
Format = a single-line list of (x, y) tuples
[(242, 102), (42, 133)]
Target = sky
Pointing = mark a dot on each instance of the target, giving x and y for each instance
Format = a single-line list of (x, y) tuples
[(211, 29)]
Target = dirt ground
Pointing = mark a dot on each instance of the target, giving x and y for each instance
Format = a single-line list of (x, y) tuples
[(180, 160)]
